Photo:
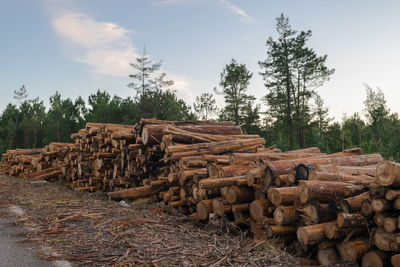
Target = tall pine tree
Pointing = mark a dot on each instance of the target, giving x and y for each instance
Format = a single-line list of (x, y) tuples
[(291, 73)]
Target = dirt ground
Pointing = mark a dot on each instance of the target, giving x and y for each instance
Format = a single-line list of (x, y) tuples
[(89, 230)]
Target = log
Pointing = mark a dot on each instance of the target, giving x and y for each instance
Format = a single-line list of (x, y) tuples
[(354, 249), (366, 207), (395, 260), (303, 170), (269, 156), (392, 194), (50, 175), (258, 209), (379, 218), (285, 215), (215, 147), (324, 191), (380, 205), (282, 195), (351, 204), (327, 176), (281, 231), (350, 220), (220, 206), (239, 194), (375, 258), (132, 193), (385, 241), (204, 208), (312, 233), (221, 182), (313, 213), (234, 170), (327, 256), (388, 173), (302, 165), (334, 232), (240, 207), (390, 224)]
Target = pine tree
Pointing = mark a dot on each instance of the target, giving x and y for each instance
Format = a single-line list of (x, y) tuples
[(234, 81), (143, 81), (291, 73), (205, 106)]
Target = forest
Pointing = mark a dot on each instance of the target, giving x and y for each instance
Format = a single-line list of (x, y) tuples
[(295, 115)]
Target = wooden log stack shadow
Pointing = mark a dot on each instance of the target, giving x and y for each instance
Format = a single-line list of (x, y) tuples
[(328, 207)]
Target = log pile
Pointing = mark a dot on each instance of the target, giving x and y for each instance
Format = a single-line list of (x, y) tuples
[(328, 207), (42, 163)]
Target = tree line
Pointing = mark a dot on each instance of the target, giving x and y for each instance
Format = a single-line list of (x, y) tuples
[(295, 116)]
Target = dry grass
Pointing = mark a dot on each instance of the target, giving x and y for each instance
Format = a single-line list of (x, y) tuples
[(88, 229)]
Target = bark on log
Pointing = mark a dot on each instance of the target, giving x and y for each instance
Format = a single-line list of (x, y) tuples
[(303, 166), (239, 194), (285, 215), (351, 204), (282, 195), (314, 213), (327, 176), (281, 231), (312, 233), (221, 182), (324, 191), (395, 260), (132, 193), (350, 220)]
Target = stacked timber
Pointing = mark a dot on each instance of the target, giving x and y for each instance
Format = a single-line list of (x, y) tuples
[(172, 158), (330, 207), (99, 162), (43, 163), (17, 162)]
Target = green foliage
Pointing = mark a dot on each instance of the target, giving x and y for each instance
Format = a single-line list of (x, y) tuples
[(234, 81), (291, 73), (205, 106), (143, 82), (31, 124)]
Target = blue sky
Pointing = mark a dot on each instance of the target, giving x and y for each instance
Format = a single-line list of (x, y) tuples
[(77, 47)]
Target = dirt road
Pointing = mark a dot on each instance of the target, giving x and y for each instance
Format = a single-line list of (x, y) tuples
[(11, 252), (90, 230)]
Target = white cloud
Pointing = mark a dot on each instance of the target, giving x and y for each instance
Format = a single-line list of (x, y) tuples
[(105, 46), (182, 86), (237, 10), (244, 17)]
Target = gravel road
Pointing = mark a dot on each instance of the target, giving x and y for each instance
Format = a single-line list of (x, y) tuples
[(12, 253)]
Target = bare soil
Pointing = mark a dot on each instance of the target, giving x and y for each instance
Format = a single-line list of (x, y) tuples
[(88, 229)]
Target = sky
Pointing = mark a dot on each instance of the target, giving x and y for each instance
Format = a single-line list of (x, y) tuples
[(77, 47)]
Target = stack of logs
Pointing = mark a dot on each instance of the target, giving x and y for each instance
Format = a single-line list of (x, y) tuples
[(42, 163), (328, 207)]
